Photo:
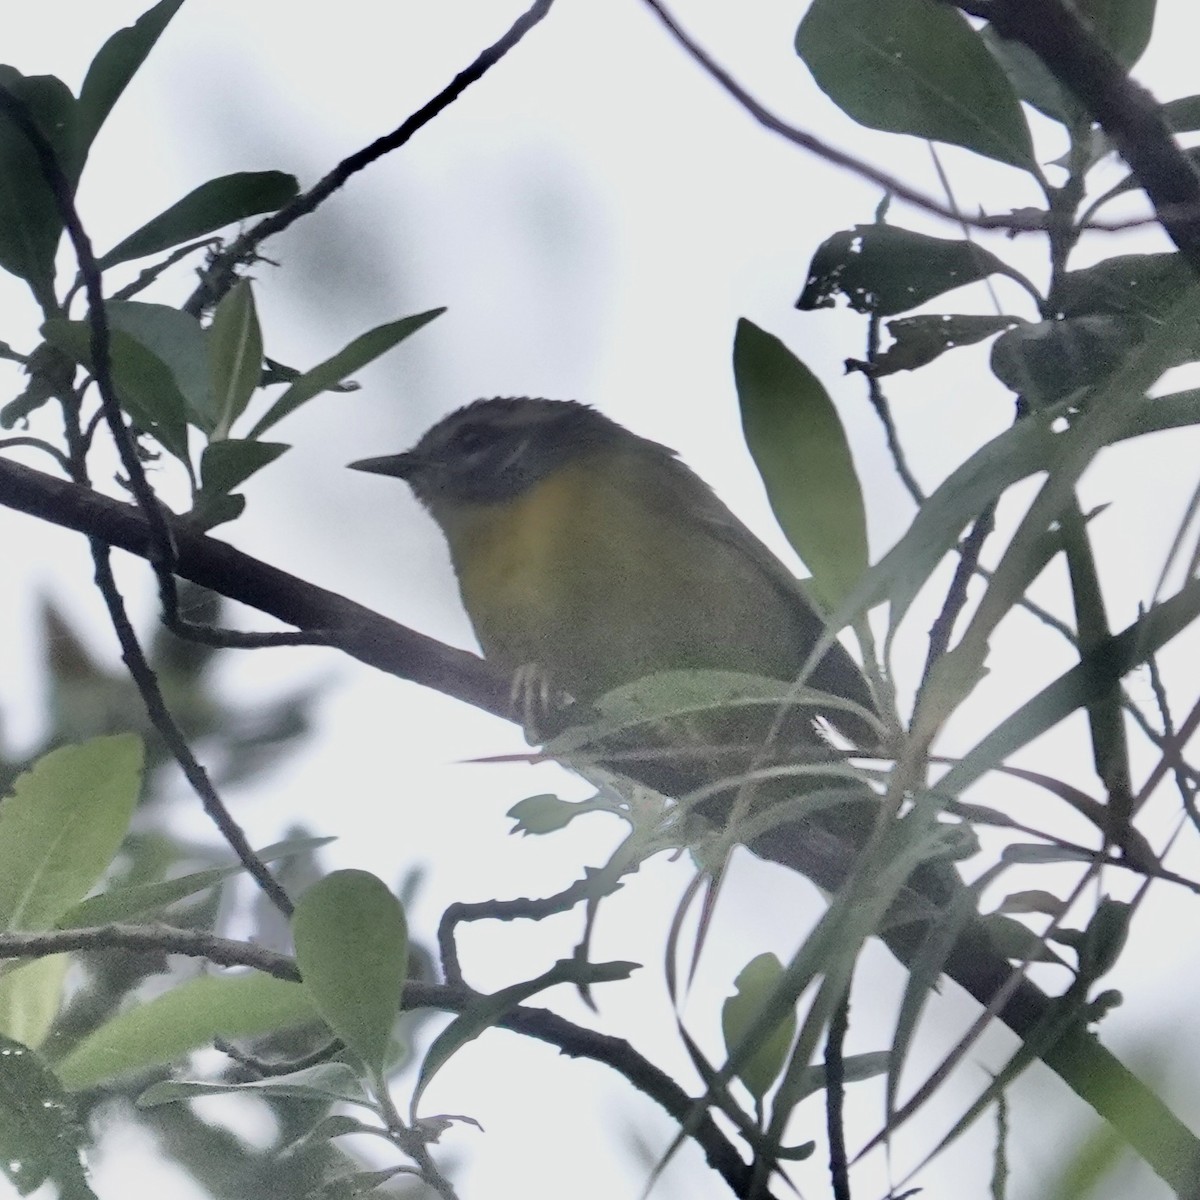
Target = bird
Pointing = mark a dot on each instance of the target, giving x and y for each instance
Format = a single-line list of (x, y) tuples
[(589, 557)]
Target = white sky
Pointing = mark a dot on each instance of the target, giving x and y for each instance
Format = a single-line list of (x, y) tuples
[(596, 215)]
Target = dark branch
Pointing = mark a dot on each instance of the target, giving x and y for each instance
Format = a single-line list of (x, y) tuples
[(571, 1040), (219, 277)]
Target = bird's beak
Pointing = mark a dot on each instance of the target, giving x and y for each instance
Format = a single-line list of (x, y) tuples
[(399, 466)]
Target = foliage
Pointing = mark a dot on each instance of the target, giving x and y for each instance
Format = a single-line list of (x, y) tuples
[(87, 867)]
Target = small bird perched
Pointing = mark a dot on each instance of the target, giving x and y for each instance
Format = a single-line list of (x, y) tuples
[(597, 558)]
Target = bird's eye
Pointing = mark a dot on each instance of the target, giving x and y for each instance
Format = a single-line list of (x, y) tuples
[(470, 439)]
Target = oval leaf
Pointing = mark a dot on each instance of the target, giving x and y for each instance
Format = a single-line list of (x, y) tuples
[(225, 465), (211, 206), (235, 356), (352, 950), (30, 225), (914, 66), (62, 826), (919, 340), (754, 988), (144, 384), (800, 449), (887, 270), (177, 339)]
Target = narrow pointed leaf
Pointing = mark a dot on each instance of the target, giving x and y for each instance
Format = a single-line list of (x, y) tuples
[(205, 209), (363, 350), (325, 1082), (235, 356), (114, 66), (800, 448)]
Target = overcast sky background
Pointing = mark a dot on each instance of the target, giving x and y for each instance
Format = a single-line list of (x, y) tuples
[(596, 215)]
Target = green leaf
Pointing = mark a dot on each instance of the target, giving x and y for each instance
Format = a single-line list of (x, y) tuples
[(235, 356), (1146, 285), (364, 349), (31, 994), (486, 1011), (158, 1031), (114, 66), (144, 384), (326, 1082), (177, 339), (30, 225), (919, 340), (136, 900), (1130, 182), (1047, 361), (1032, 80), (799, 446), (916, 67), (210, 207), (40, 1139), (62, 826), (352, 950), (1183, 114), (754, 987), (547, 814), (887, 270), (210, 509), (1124, 26), (225, 465)]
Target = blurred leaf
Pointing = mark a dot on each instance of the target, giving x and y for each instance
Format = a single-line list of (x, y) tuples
[(1124, 26), (136, 900), (916, 67), (143, 382), (1147, 285), (158, 1031), (795, 435), (1130, 182), (920, 340), (114, 66), (887, 270), (210, 509), (1183, 115), (1032, 80), (761, 1063), (1015, 941), (62, 825), (177, 340), (225, 465), (855, 1068), (364, 349), (31, 994), (352, 950), (30, 226), (210, 207), (40, 1139), (1033, 901), (325, 1082), (235, 356), (1047, 361)]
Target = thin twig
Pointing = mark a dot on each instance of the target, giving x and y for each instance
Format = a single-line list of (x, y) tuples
[(879, 402), (220, 275), (35, 443), (162, 546), (835, 1097)]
